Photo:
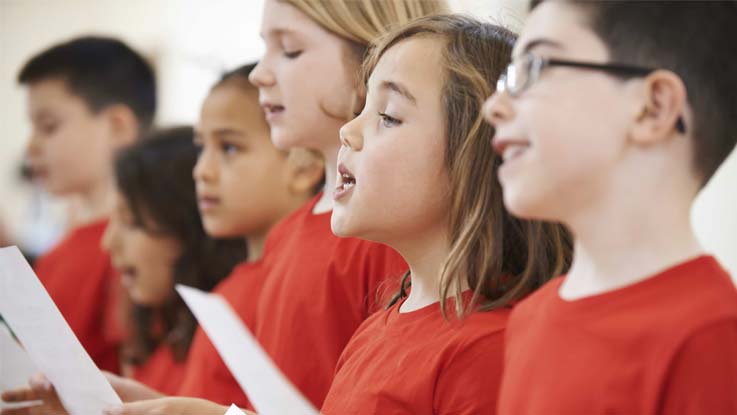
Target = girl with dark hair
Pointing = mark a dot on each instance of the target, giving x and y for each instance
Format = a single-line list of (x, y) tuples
[(156, 239)]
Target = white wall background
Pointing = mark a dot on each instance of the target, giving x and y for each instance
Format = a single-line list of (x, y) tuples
[(191, 42)]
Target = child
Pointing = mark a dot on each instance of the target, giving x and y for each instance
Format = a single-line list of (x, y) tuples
[(319, 288), (243, 185), (156, 240), (86, 98), (611, 118), (418, 173)]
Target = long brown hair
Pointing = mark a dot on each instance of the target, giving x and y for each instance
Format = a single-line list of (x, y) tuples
[(155, 178), (500, 257)]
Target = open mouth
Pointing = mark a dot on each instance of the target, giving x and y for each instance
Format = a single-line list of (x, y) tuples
[(127, 275), (346, 182), (272, 110), (206, 203), (511, 150)]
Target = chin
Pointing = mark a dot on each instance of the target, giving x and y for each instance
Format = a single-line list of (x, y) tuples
[(283, 139), (529, 207)]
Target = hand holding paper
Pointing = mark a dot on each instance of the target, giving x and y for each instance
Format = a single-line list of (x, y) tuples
[(48, 340), (267, 388)]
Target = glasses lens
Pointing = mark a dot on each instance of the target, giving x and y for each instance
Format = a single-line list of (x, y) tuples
[(501, 83)]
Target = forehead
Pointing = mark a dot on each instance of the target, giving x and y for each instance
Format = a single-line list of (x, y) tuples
[(52, 93), (279, 17), (413, 62), (565, 25)]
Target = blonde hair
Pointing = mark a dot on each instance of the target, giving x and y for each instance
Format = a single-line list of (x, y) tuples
[(500, 257), (362, 21)]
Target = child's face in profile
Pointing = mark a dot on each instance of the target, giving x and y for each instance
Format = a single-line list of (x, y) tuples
[(305, 79), (241, 177), (562, 136), (69, 149), (144, 259), (392, 180)]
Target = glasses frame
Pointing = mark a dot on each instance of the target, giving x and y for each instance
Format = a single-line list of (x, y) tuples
[(537, 64)]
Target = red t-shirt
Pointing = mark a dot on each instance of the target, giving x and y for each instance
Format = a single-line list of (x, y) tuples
[(318, 289), (666, 345), (79, 277), (161, 371), (206, 375), (421, 363)]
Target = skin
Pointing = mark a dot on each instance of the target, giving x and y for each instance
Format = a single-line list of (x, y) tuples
[(313, 112), (62, 124), (592, 146), (144, 260), (235, 145), (395, 151)]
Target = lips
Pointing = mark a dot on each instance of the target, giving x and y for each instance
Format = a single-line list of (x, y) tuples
[(272, 111), (207, 203), (346, 182), (510, 149), (127, 275)]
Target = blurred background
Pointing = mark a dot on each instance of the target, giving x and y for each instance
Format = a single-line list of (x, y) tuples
[(190, 43)]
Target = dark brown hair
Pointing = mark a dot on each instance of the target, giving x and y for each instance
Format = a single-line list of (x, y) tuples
[(102, 71), (155, 178), (693, 39), (502, 258)]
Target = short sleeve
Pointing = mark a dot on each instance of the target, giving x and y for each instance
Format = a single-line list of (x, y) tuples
[(703, 376)]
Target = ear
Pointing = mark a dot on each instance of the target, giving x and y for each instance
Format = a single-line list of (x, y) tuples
[(663, 102), (305, 171), (122, 124)]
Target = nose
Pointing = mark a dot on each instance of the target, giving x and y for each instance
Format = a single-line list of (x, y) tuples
[(350, 135), (110, 236), (498, 109), (205, 169), (262, 76)]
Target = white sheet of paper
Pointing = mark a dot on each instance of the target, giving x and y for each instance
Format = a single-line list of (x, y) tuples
[(48, 340), (15, 367), (267, 388), (234, 410)]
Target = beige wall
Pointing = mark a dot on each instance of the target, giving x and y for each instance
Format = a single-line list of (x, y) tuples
[(191, 41)]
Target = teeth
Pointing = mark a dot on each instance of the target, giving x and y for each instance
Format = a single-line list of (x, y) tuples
[(513, 151)]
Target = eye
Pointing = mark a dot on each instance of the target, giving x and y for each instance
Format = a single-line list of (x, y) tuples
[(48, 128), (292, 55), (389, 121), (229, 148)]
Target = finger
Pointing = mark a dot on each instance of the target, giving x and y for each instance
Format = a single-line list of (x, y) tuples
[(16, 410), (20, 395), (133, 408), (41, 385)]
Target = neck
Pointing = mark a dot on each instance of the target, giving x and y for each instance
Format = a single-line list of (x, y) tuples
[(94, 204), (325, 204), (425, 254), (649, 234), (255, 244)]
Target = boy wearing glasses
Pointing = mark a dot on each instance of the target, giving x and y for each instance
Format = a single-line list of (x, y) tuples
[(611, 118)]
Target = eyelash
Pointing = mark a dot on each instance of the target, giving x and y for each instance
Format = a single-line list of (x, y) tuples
[(389, 121), (228, 148), (292, 55)]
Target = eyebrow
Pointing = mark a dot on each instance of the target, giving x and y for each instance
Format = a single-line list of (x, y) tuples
[(541, 42), (399, 89), (276, 32), (228, 132)]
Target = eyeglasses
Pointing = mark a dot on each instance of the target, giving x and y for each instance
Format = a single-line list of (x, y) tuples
[(523, 72)]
